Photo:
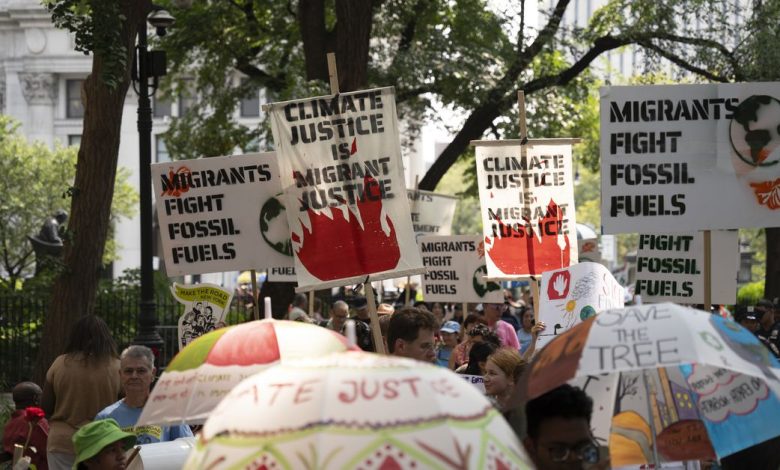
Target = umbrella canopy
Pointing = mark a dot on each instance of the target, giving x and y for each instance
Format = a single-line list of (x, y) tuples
[(676, 376), (356, 410), (202, 373)]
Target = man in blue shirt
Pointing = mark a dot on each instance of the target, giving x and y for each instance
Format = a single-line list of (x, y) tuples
[(136, 372)]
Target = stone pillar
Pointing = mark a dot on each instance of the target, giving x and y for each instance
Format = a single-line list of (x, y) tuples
[(40, 92)]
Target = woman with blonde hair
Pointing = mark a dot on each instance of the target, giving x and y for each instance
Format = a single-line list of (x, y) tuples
[(502, 370)]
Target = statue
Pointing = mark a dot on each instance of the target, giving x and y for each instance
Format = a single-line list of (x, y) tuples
[(48, 243)]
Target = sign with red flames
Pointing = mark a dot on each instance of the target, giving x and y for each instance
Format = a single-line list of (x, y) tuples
[(221, 214), (340, 161), (527, 206)]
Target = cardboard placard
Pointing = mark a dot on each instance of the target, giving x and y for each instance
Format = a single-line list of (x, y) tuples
[(682, 158)]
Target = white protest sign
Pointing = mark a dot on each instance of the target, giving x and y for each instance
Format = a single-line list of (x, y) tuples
[(670, 267), (476, 380), (432, 213), (282, 274), (456, 270), (527, 205), (341, 170), (569, 296), (205, 305), (681, 158), (211, 213)]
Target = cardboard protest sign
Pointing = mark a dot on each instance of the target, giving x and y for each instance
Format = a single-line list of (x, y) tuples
[(527, 206), (345, 194), (690, 157), (432, 213), (456, 270), (205, 305), (670, 267), (476, 380), (572, 295), (220, 214)]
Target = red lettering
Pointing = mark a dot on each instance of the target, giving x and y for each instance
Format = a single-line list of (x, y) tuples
[(303, 389), (278, 387), (344, 397)]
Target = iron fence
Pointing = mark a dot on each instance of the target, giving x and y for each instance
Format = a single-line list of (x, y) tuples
[(21, 326)]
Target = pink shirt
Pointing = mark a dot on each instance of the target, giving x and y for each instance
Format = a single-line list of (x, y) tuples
[(506, 334)]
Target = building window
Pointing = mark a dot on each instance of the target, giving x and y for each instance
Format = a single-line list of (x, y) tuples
[(186, 97), (74, 140), (162, 107), (75, 108), (250, 104), (161, 150)]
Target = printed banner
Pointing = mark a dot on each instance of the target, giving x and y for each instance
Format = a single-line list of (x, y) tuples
[(527, 206), (670, 267), (205, 306), (456, 270), (432, 213), (221, 214), (733, 406), (343, 181), (570, 296), (682, 158)]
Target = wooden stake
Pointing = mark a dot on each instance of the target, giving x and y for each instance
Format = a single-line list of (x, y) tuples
[(255, 296), (333, 74), (521, 112), (379, 344), (707, 270), (311, 304), (535, 296)]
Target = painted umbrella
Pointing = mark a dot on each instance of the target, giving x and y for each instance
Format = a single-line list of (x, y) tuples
[(674, 383), (356, 410), (202, 373)]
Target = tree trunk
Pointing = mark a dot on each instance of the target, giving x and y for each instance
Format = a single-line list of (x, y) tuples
[(75, 287), (772, 282)]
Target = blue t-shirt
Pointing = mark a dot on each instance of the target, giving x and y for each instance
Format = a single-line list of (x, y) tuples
[(443, 356), (525, 339), (127, 417)]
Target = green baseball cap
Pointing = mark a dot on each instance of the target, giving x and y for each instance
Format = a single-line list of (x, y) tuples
[(90, 439)]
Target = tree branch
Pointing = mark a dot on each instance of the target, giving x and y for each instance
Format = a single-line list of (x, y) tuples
[(682, 63)]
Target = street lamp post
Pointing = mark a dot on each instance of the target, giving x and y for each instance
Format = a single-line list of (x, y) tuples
[(147, 65)]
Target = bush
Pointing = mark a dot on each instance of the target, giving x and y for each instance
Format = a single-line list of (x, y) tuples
[(750, 294)]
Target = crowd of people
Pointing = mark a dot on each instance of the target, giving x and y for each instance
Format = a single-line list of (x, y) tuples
[(86, 413)]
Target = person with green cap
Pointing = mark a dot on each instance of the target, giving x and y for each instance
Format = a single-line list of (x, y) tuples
[(101, 445)]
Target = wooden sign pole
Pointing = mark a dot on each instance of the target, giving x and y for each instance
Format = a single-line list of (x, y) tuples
[(379, 345), (707, 271), (523, 142), (255, 296), (311, 304)]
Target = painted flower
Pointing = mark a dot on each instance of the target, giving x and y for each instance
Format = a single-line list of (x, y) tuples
[(768, 193), (33, 414)]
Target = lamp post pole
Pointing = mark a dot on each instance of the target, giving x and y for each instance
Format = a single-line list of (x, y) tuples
[(147, 334)]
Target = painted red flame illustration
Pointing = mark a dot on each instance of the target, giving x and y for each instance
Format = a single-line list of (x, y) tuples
[(353, 149), (516, 253), (339, 247), (768, 193), (179, 177)]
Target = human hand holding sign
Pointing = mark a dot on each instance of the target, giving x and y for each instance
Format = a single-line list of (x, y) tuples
[(559, 284)]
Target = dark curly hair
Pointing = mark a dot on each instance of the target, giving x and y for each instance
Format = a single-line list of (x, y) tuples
[(563, 402)]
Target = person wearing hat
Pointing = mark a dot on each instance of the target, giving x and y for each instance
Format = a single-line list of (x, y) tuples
[(449, 335), (101, 445)]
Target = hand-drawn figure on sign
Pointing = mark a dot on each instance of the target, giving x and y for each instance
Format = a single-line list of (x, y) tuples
[(197, 322)]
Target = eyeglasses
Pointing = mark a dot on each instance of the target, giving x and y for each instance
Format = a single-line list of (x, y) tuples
[(587, 452)]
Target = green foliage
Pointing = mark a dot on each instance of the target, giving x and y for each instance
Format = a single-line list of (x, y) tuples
[(750, 294), (97, 27), (34, 181)]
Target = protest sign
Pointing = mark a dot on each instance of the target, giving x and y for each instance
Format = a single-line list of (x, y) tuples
[(340, 161), (690, 157), (476, 380), (669, 267), (205, 305), (215, 214), (572, 295), (282, 274), (432, 213), (527, 204), (456, 270)]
